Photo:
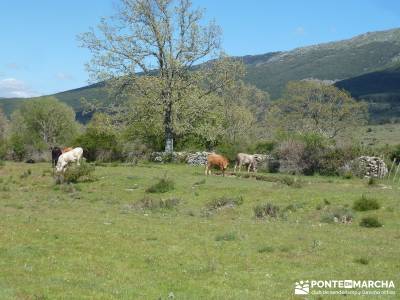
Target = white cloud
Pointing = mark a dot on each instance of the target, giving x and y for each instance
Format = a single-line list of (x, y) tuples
[(300, 30), (63, 76), (11, 87)]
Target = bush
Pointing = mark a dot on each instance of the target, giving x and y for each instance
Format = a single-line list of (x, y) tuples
[(266, 210), (265, 249), (364, 204), (362, 261), (338, 215), (147, 203), (224, 201), (162, 186), (263, 147), (74, 172), (370, 222)]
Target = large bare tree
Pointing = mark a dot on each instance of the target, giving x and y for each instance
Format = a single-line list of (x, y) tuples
[(153, 48)]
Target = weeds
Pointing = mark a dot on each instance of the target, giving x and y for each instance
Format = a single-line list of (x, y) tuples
[(74, 173), (364, 204), (231, 236), (338, 215), (148, 203), (362, 261), (163, 185), (265, 249), (223, 202), (266, 210), (370, 222)]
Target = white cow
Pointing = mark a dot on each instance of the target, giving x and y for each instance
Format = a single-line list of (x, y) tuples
[(75, 155), (247, 160)]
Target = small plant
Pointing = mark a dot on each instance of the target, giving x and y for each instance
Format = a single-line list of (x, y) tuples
[(364, 204), (338, 215), (231, 236), (265, 249), (370, 222), (266, 210), (163, 185), (26, 174), (75, 173), (347, 175), (148, 203), (203, 181), (224, 201), (362, 261), (372, 181)]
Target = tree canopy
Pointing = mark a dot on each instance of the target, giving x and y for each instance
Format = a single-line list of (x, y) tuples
[(156, 49), (312, 107)]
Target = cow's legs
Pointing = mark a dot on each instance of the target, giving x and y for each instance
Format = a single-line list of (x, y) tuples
[(208, 171)]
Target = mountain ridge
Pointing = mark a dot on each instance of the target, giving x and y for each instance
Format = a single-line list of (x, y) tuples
[(336, 61)]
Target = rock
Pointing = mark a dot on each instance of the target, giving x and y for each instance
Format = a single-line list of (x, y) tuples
[(367, 167), (197, 159)]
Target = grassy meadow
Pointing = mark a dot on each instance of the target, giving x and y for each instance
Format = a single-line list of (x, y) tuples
[(100, 240)]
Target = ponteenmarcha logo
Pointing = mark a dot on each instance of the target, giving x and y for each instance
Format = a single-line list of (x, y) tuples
[(359, 287), (302, 288)]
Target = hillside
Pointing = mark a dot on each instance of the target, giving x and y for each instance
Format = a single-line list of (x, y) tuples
[(354, 64), (381, 89)]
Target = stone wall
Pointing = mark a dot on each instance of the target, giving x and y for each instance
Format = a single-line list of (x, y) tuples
[(367, 167)]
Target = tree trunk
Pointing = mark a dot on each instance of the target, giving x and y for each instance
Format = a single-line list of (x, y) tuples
[(169, 135)]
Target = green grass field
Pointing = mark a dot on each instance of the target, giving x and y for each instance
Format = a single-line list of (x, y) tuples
[(90, 240)]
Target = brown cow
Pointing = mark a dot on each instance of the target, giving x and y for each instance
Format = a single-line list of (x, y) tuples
[(216, 160), (66, 149)]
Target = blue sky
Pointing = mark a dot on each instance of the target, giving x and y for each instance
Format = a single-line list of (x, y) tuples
[(39, 53)]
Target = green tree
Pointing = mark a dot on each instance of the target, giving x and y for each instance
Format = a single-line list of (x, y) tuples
[(312, 107), (44, 122), (153, 48), (3, 133), (100, 140)]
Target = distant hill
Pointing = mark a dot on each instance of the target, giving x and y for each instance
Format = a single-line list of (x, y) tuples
[(381, 89), (364, 65)]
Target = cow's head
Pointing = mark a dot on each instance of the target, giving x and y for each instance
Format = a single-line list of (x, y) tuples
[(60, 167), (225, 163)]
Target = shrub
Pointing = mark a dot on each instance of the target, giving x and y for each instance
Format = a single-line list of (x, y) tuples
[(370, 222), (273, 166), (74, 173), (265, 249), (231, 236), (372, 181), (362, 261), (266, 210), (224, 201), (163, 185), (263, 147), (338, 215), (364, 204), (148, 203)]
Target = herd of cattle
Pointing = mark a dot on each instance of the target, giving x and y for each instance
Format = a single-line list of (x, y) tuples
[(61, 158)]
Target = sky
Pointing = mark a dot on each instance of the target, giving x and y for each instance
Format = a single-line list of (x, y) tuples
[(40, 54)]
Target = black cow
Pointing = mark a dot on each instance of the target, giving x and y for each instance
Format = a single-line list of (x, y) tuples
[(55, 154)]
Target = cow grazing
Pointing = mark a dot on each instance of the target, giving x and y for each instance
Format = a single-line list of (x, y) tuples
[(245, 159), (218, 161), (75, 155), (55, 154)]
